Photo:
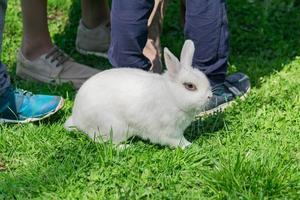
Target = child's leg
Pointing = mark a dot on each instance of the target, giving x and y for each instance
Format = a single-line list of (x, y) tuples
[(4, 79), (129, 33), (94, 12), (3, 5), (39, 59), (18, 105), (36, 37), (93, 32), (206, 24)]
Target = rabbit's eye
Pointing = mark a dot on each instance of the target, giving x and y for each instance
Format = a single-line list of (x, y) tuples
[(190, 86)]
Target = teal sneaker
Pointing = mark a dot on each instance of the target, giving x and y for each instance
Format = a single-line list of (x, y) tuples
[(20, 106), (235, 85)]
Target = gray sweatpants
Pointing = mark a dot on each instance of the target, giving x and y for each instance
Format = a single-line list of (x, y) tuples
[(4, 78)]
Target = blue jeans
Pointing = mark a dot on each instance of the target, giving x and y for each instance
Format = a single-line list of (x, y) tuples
[(205, 23), (4, 78)]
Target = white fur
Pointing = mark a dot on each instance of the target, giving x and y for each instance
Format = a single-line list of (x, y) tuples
[(124, 102)]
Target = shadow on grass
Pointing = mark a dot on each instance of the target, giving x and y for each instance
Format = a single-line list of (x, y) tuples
[(205, 127)]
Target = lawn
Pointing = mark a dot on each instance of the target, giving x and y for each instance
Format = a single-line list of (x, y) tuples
[(251, 151)]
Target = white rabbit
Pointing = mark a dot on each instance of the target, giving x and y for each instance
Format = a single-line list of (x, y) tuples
[(124, 102)]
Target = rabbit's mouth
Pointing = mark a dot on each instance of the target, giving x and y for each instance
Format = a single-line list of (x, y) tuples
[(192, 111), (200, 109)]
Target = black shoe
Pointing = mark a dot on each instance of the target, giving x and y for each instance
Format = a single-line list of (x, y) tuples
[(224, 94)]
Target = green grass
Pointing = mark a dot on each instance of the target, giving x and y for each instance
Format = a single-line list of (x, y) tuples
[(252, 151)]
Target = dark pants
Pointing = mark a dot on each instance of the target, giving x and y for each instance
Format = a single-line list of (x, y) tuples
[(4, 79), (205, 23)]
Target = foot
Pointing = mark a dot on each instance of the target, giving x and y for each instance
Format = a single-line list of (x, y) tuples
[(20, 106), (93, 41), (235, 85), (54, 67)]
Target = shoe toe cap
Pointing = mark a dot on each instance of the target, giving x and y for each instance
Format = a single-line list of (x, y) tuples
[(40, 106)]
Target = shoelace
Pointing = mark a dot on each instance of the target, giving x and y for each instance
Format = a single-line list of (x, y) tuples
[(57, 55), (23, 92), (219, 89)]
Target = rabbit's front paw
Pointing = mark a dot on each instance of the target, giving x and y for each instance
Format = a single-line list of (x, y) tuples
[(184, 143), (175, 142), (122, 147)]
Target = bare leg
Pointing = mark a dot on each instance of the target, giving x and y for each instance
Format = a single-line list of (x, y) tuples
[(94, 12), (36, 37)]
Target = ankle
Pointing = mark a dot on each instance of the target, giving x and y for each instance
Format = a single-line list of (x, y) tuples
[(93, 23), (216, 80), (35, 50), (90, 25)]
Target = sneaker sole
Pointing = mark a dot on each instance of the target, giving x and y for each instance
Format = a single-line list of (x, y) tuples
[(93, 53), (29, 75), (28, 120), (223, 106)]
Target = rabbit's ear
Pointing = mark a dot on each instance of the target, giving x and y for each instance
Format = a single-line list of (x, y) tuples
[(187, 53), (172, 63)]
